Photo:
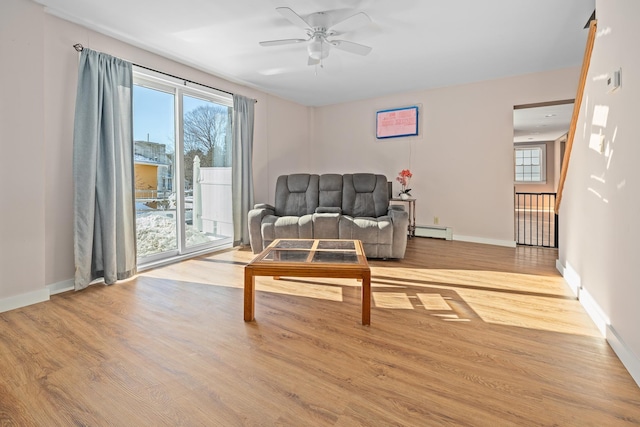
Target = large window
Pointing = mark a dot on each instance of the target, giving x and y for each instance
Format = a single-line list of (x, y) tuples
[(530, 164), (182, 162)]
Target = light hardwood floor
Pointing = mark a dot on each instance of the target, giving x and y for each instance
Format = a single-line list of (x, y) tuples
[(461, 334)]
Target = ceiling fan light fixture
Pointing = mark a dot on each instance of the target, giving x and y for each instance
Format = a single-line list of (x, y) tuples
[(319, 27), (318, 49)]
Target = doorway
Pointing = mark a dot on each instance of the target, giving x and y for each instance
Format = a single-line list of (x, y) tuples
[(182, 168), (539, 134)]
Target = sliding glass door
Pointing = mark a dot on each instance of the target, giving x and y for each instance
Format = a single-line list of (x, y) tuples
[(154, 151), (207, 170), (182, 162)]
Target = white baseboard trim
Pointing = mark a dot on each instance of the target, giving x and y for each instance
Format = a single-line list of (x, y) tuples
[(571, 277), (472, 239), (594, 311), (626, 356), (630, 360), (59, 287), (23, 300)]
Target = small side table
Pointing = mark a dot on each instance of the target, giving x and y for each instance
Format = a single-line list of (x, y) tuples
[(411, 206)]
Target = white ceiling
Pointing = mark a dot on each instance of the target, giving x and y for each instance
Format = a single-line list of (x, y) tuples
[(537, 124), (417, 44)]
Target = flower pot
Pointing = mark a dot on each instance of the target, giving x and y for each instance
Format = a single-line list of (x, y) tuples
[(404, 196)]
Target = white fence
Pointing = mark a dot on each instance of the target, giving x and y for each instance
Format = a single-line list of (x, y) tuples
[(212, 200)]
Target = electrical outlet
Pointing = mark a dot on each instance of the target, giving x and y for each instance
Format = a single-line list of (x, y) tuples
[(436, 220)]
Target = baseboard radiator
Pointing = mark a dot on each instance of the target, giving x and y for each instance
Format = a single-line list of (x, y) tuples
[(434, 231)]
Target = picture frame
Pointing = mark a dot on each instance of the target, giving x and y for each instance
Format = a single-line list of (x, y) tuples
[(397, 122)]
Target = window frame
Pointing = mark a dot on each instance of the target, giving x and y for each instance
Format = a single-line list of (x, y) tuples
[(543, 162), (178, 88)]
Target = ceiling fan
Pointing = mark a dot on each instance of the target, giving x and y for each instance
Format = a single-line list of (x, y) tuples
[(319, 28)]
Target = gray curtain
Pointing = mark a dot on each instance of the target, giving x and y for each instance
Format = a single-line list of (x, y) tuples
[(242, 170), (104, 215)]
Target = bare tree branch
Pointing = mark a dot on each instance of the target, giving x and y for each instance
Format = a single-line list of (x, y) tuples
[(205, 135)]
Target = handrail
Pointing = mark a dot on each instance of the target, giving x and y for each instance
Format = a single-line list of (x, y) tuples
[(576, 109)]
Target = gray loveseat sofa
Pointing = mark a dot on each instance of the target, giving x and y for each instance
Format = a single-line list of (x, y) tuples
[(332, 206)]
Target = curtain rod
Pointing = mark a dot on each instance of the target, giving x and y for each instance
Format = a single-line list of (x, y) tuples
[(79, 48)]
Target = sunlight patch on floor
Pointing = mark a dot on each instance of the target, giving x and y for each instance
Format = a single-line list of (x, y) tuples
[(451, 318), (433, 302), (502, 298), (394, 300), (471, 279), (542, 302)]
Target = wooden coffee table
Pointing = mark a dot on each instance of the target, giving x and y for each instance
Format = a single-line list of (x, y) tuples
[(329, 258)]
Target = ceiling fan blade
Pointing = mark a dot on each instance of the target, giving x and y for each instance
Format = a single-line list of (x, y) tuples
[(293, 17), (351, 23), (281, 42), (313, 61), (357, 48)]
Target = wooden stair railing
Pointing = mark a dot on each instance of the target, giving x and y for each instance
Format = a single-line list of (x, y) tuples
[(576, 109)]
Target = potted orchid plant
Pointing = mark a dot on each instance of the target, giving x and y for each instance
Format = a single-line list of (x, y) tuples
[(403, 178)]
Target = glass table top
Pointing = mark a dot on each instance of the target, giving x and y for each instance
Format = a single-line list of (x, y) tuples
[(294, 244), (322, 244), (317, 257), (313, 251)]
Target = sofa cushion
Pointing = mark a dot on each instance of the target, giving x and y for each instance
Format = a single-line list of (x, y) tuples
[(296, 194), (365, 195), (286, 227), (330, 190), (376, 234)]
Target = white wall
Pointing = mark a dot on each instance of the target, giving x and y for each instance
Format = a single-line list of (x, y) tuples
[(600, 231), (22, 173), (39, 67), (462, 160), (288, 128)]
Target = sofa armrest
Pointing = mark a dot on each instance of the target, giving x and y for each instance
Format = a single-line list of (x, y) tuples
[(264, 206), (326, 225), (328, 209), (400, 220), (254, 220)]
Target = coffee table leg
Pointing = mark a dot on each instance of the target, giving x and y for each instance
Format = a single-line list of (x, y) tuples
[(249, 295), (366, 298)]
